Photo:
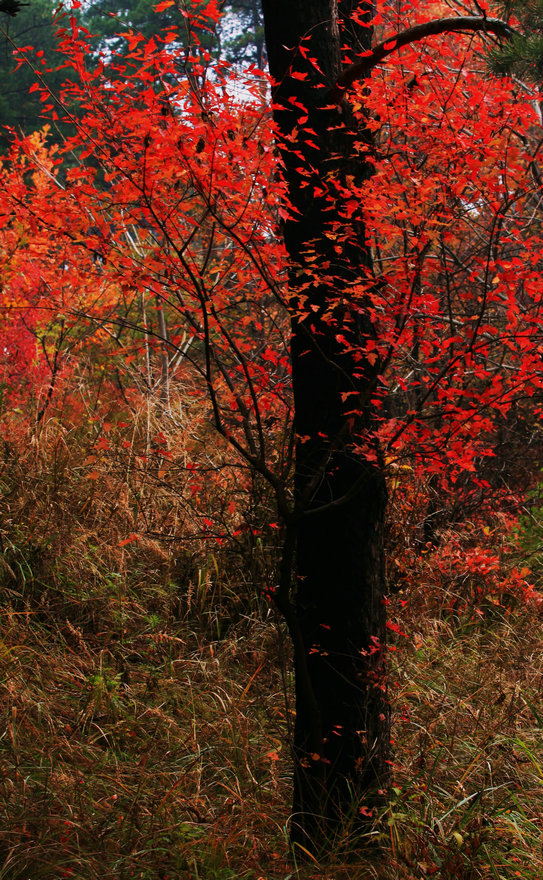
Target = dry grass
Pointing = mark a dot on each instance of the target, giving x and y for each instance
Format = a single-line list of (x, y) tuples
[(469, 750), (140, 757), (144, 718)]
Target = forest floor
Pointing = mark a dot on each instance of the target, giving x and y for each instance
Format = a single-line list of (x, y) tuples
[(134, 747)]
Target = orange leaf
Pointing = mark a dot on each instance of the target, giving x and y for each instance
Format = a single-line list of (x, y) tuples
[(132, 537)]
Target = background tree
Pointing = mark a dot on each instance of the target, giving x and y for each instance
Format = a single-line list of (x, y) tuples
[(238, 35), (242, 27), (34, 25), (523, 54)]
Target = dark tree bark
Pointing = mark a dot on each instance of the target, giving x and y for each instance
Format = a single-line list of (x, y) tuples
[(336, 615)]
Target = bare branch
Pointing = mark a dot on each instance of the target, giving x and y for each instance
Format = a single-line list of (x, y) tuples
[(458, 24)]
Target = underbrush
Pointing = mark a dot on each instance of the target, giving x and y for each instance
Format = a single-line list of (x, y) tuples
[(469, 757), (146, 702), (143, 757)]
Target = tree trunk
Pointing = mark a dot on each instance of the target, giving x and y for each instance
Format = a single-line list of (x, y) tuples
[(337, 614)]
